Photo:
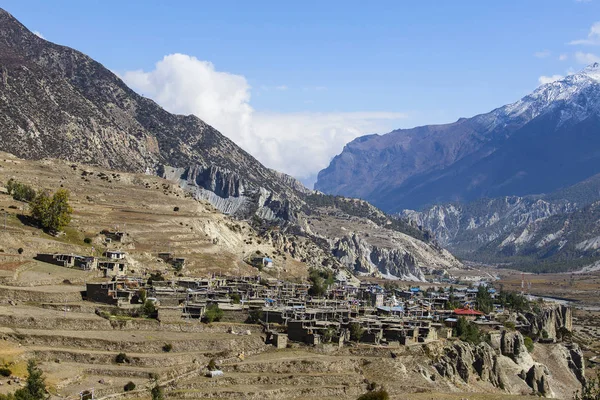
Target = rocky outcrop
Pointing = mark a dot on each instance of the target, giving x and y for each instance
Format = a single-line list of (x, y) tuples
[(292, 182), (505, 364), (576, 361), (558, 229), (537, 379), (512, 345), (467, 362), (551, 321), (359, 255), (467, 227)]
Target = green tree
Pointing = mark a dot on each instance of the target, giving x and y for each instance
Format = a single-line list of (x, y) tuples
[(60, 211), (213, 313), (52, 213), (148, 309), (40, 207), (35, 387), (467, 331), (20, 191), (143, 295), (321, 280), (356, 331), (484, 300), (235, 298)]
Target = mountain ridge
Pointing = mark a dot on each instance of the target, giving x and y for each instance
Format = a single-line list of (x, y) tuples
[(468, 159), (548, 233), (56, 102)]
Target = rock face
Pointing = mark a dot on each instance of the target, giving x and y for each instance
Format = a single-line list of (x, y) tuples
[(358, 255), (557, 230), (543, 142), (468, 362), (551, 321), (576, 361), (56, 102), (512, 345), (468, 227), (505, 364), (537, 379)]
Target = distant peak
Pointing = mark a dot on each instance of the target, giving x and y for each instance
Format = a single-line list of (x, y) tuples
[(592, 70)]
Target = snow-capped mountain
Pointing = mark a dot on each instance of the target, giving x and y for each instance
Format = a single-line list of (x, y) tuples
[(544, 141), (576, 96)]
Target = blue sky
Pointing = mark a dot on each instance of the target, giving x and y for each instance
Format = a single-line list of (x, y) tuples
[(290, 73)]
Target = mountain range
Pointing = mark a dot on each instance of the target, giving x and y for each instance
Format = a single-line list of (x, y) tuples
[(518, 185), (56, 102), (543, 142)]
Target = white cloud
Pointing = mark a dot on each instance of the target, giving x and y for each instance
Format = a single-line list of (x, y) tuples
[(586, 58), (548, 79), (38, 34), (563, 57), (593, 37), (281, 87), (300, 144), (542, 54)]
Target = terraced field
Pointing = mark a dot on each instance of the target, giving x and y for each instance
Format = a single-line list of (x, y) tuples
[(77, 350)]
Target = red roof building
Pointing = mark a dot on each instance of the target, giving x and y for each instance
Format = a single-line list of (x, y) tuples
[(467, 312)]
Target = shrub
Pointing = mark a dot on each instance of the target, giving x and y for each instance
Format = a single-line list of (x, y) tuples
[(510, 325), (148, 309), (563, 333), (528, 343), (376, 395), (5, 372), (121, 358), (254, 317), (590, 389), (175, 209), (129, 386), (20, 250), (20, 191), (235, 298), (157, 392), (468, 332), (155, 276), (213, 313), (86, 395), (87, 240), (356, 331), (167, 347), (212, 365), (545, 334)]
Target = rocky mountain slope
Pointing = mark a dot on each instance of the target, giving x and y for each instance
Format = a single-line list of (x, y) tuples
[(552, 232), (56, 102), (545, 141)]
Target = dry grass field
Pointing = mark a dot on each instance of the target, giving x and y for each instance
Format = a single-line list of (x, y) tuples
[(144, 207)]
